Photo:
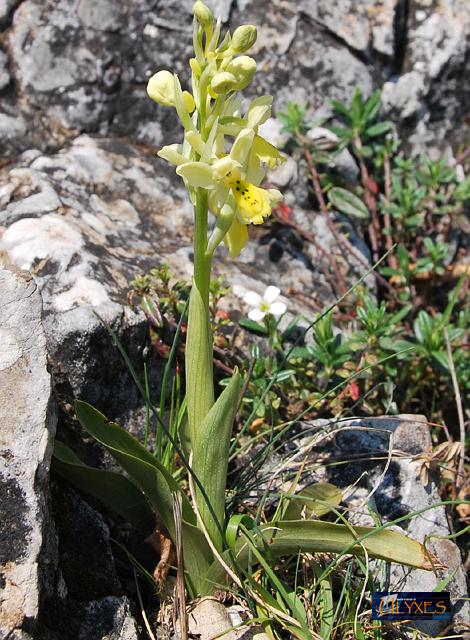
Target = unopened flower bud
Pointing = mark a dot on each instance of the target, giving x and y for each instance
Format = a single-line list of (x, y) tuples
[(223, 82), (244, 38), (188, 101), (203, 14), (243, 68), (160, 88), (195, 67)]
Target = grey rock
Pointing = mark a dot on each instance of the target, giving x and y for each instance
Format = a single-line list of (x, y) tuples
[(11, 128), (108, 618), (85, 557), (355, 22), (284, 174), (73, 72), (6, 8), (4, 72), (28, 427), (345, 164), (432, 94)]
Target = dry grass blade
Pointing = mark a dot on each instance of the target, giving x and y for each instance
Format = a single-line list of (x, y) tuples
[(458, 401), (180, 591), (142, 610)]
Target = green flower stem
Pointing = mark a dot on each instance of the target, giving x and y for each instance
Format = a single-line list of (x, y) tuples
[(202, 262), (199, 342)]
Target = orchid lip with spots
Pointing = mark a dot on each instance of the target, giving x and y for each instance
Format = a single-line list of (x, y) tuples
[(264, 305)]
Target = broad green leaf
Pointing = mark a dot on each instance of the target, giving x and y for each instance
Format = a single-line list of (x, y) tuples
[(148, 473), (199, 374), (318, 499), (286, 538), (442, 359), (348, 203), (210, 457), (114, 490), (156, 483), (398, 317)]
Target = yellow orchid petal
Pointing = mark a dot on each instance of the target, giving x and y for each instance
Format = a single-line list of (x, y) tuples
[(195, 140), (267, 153), (172, 153), (242, 145), (236, 238), (188, 101), (223, 166), (197, 174), (254, 203), (259, 111), (160, 88)]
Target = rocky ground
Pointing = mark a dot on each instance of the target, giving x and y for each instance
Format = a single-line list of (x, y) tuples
[(86, 206)]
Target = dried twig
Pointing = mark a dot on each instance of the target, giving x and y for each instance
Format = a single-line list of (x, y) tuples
[(180, 592), (458, 401), (391, 259)]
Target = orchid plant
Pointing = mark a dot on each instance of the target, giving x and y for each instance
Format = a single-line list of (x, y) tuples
[(222, 160)]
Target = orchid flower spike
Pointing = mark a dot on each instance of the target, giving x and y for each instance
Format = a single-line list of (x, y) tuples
[(222, 151)]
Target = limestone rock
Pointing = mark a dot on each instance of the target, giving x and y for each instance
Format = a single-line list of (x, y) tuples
[(4, 72), (73, 73), (6, 8), (209, 619), (28, 427), (432, 93)]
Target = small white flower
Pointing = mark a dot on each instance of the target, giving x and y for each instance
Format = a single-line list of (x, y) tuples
[(264, 305)]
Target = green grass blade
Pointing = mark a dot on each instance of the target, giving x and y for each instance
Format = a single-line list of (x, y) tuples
[(114, 490), (326, 607)]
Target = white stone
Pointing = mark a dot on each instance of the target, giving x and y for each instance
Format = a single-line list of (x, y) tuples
[(50, 236), (10, 350), (85, 292)]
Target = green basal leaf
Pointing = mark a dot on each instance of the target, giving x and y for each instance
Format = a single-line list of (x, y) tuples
[(286, 538), (210, 458), (199, 353), (156, 483), (348, 203), (115, 491)]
